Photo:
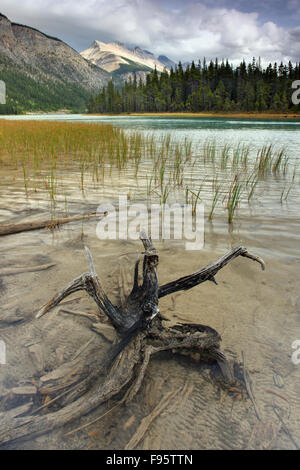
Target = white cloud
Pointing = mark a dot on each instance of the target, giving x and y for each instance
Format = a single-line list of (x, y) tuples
[(184, 31)]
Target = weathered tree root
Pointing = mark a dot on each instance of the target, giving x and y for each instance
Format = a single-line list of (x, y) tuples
[(142, 334)]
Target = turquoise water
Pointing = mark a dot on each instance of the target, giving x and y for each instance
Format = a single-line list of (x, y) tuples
[(257, 132), (254, 311), (266, 215)]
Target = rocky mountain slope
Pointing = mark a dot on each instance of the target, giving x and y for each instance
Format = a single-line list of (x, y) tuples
[(43, 73), (44, 62), (28, 46), (168, 63)]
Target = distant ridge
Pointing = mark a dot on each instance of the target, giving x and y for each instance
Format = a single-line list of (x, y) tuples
[(123, 61), (54, 72)]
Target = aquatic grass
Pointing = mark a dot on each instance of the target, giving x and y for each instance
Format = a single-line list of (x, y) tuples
[(286, 192), (240, 156), (25, 178), (264, 158), (217, 193), (165, 191), (208, 151), (236, 157), (233, 198), (66, 212), (161, 170), (277, 161), (253, 185), (167, 143), (149, 182), (163, 194), (42, 152), (225, 155), (178, 167), (52, 184), (195, 198), (187, 149), (282, 194), (35, 146), (82, 173), (285, 165), (268, 161), (245, 155)]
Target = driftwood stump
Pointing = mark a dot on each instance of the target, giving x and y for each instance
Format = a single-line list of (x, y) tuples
[(139, 326)]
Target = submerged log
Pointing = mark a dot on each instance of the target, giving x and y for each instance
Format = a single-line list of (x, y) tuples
[(12, 270), (10, 229), (139, 327)]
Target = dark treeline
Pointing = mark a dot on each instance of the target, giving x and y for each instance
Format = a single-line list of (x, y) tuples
[(204, 87)]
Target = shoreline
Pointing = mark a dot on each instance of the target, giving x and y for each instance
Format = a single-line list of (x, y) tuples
[(293, 116), (206, 115)]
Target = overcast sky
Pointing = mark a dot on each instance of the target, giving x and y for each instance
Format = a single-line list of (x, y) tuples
[(182, 30)]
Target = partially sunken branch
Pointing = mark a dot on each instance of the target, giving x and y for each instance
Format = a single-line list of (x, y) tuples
[(10, 229), (141, 334), (206, 274)]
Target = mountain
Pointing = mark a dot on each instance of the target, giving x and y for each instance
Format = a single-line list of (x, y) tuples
[(123, 61), (43, 72), (168, 63)]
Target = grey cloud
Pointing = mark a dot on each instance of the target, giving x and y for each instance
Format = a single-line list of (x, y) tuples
[(295, 33), (181, 30)]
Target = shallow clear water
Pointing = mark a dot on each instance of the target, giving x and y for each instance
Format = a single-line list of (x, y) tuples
[(255, 312), (276, 218)]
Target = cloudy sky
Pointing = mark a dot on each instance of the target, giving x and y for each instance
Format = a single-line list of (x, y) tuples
[(182, 30)]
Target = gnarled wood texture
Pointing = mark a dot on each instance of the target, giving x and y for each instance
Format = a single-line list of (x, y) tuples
[(141, 333)]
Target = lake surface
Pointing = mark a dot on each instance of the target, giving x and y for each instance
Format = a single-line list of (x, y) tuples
[(256, 312), (283, 131), (274, 209)]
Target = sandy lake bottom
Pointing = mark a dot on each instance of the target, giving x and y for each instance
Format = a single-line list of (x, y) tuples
[(256, 312)]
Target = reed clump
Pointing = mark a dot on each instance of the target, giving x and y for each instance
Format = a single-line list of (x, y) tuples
[(47, 148), (42, 153)]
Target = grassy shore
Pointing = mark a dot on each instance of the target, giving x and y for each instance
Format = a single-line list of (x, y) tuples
[(214, 115)]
